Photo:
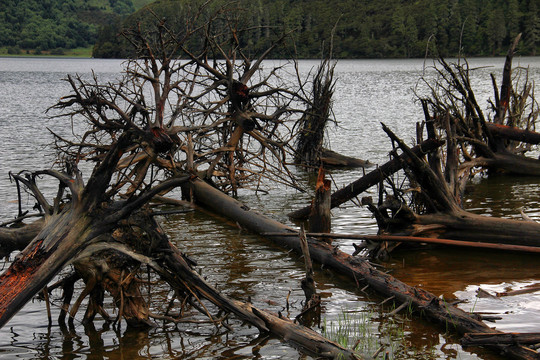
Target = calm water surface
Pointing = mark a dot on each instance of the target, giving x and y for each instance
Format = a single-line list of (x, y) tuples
[(242, 265)]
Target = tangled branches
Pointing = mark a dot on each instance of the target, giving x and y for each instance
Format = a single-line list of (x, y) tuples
[(218, 114)]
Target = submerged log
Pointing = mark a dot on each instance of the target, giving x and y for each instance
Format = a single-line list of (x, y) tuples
[(333, 159), (447, 220), (101, 265), (359, 270), (501, 339)]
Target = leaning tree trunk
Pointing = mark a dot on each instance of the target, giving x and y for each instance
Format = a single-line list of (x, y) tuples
[(69, 230)]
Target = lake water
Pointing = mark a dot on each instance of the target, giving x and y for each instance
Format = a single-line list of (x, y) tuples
[(243, 265)]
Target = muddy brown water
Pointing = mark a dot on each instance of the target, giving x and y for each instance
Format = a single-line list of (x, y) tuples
[(244, 265)]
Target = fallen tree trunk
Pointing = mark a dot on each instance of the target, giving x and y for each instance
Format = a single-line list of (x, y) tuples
[(171, 265), (466, 226), (497, 146), (18, 238), (57, 244), (372, 178), (444, 218), (507, 163), (357, 269), (501, 339)]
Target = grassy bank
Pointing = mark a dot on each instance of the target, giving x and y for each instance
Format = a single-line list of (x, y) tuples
[(77, 52)]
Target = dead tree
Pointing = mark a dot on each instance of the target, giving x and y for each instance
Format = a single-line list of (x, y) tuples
[(214, 115), (309, 143), (430, 207), (499, 140)]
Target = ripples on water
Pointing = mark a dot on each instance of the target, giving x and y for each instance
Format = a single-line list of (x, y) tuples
[(242, 265)]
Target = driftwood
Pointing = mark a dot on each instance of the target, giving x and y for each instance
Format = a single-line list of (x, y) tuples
[(513, 133), (171, 265), (359, 270), (442, 215), (67, 231), (526, 290), (309, 142), (177, 272), (142, 145), (17, 238), (136, 141)]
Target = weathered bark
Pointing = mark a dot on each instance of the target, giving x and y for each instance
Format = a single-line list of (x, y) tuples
[(58, 243), (312, 124), (372, 178), (106, 270), (497, 146), (308, 283), (448, 220), (462, 225), (113, 272), (513, 133), (18, 238), (358, 270), (507, 163), (67, 233)]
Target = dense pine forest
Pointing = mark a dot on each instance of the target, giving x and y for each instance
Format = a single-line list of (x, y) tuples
[(360, 28)]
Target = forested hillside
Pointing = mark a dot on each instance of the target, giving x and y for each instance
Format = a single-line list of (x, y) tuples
[(43, 25), (370, 28), (363, 28)]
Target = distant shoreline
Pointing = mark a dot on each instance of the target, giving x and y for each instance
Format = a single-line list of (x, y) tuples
[(62, 53)]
